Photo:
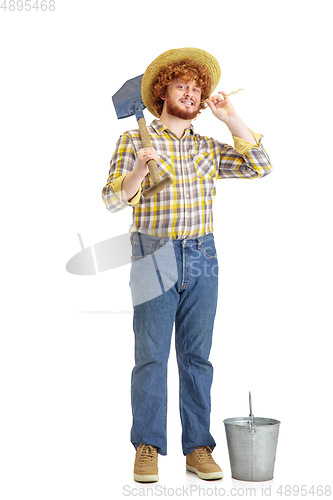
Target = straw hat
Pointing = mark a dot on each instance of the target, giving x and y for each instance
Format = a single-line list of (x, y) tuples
[(173, 56)]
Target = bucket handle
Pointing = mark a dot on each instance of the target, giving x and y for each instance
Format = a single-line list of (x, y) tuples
[(252, 427)]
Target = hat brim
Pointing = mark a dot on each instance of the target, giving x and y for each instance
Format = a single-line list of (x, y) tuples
[(173, 56)]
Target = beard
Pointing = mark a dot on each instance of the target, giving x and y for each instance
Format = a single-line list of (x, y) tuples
[(178, 112)]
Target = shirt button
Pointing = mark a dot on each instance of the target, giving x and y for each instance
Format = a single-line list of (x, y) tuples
[(187, 195)]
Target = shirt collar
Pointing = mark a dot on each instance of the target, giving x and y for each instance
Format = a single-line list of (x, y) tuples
[(160, 128)]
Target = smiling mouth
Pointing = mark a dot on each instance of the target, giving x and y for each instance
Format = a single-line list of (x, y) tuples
[(187, 102)]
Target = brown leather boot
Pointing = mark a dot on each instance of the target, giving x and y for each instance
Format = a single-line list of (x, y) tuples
[(145, 465), (201, 462)]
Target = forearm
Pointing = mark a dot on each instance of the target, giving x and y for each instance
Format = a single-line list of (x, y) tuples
[(131, 185), (239, 129), (132, 182)]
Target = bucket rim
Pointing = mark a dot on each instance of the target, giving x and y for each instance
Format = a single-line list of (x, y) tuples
[(257, 421)]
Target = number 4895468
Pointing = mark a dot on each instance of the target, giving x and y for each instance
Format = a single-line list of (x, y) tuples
[(27, 5)]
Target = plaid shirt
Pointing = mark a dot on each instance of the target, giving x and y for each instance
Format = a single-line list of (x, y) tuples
[(183, 209)]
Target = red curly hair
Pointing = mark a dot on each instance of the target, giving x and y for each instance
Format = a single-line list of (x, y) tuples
[(187, 70)]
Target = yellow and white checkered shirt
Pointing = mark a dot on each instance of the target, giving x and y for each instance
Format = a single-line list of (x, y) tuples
[(183, 209)]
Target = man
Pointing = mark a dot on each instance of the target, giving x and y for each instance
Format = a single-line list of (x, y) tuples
[(175, 88)]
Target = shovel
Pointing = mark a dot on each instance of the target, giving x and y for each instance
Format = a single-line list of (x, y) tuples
[(127, 102)]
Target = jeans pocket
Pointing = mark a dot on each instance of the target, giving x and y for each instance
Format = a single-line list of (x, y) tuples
[(144, 246), (208, 248)]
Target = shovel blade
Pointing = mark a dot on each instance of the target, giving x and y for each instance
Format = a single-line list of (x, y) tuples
[(128, 97)]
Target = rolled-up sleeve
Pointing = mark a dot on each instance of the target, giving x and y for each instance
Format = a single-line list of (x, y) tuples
[(244, 160), (121, 164)]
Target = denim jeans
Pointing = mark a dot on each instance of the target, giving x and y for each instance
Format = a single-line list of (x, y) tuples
[(173, 282)]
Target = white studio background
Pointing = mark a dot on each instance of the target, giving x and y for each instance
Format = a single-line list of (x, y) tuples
[(66, 340)]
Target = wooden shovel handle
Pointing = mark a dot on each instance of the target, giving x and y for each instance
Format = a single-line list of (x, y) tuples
[(146, 142)]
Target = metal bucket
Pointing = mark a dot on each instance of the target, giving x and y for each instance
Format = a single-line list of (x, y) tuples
[(252, 443)]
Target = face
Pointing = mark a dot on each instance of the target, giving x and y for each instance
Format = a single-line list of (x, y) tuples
[(183, 99)]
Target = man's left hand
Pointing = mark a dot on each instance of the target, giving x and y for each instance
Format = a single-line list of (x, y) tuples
[(221, 106), (224, 111)]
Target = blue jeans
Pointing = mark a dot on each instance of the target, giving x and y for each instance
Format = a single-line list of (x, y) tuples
[(173, 282)]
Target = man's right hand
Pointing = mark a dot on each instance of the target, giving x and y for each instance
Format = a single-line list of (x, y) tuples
[(141, 164), (132, 181)]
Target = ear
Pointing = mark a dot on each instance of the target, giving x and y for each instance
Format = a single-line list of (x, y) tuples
[(162, 97)]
